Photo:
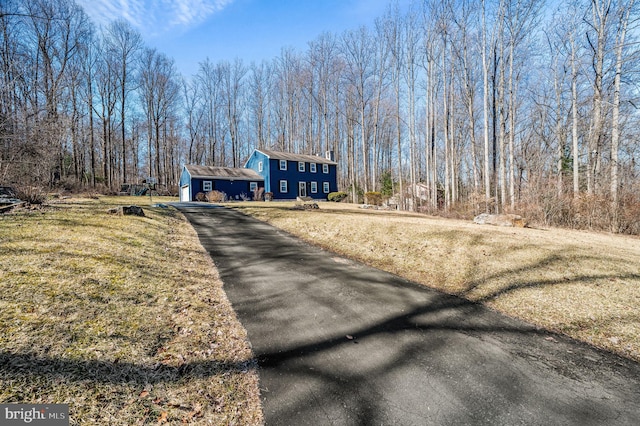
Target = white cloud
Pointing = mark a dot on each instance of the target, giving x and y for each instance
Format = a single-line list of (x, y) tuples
[(153, 17), (188, 12)]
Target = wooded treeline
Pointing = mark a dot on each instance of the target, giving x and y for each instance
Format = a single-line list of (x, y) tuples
[(465, 106)]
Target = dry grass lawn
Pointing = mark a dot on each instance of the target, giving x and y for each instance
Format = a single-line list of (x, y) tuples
[(585, 285), (122, 317)]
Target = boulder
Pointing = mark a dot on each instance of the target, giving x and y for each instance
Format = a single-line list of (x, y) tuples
[(132, 211), (513, 220), (127, 211), (305, 206)]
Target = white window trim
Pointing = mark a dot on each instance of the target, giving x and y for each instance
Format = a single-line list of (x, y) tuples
[(253, 186), (325, 187), (283, 184), (301, 166), (314, 187), (312, 167), (260, 166), (207, 185), (283, 164), (325, 168)]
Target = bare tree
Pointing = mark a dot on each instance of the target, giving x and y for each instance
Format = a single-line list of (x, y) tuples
[(125, 43), (195, 120), (160, 92), (463, 17), (233, 86), (259, 86), (359, 51), (485, 108), (210, 78), (394, 37), (56, 28), (623, 13), (597, 38)]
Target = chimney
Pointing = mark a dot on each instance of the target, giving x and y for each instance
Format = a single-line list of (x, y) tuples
[(329, 156)]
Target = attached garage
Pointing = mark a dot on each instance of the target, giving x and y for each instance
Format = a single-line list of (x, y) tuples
[(235, 183)]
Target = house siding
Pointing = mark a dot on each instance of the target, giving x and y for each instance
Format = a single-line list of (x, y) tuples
[(271, 177), (233, 187), (294, 177), (254, 163)]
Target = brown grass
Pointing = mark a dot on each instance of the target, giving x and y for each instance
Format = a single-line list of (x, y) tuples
[(122, 317), (583, 284)]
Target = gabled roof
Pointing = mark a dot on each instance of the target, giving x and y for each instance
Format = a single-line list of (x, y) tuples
[(224, 173), (275, 155)]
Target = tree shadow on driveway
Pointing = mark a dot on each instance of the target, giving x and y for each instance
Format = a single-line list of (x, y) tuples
[(341, 343)]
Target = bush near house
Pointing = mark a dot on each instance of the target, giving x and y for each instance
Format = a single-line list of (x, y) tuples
[(337, 196), (216, 196), (258, 194)]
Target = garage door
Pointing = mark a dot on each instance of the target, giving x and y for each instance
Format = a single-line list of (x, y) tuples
[(184, 193)]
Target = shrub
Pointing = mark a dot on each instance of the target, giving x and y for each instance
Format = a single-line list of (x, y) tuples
[(31, 194), (629, 214), (373, 197), (268, 196), (258, 194), (216, 197), (337, 196), (69, 184)]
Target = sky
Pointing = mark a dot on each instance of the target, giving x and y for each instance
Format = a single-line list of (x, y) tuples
[(189, 31)]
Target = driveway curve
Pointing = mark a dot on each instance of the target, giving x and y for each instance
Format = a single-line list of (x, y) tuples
[(340, 343)]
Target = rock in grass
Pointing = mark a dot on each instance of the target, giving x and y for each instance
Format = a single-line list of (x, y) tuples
[(127, 211)]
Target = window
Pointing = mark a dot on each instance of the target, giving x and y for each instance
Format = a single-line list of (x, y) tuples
[(301, 166), (314, 187), (207, 185), (253, 186), (283, 165), (312, 167), (260, 167), (283, 186), (325, 168), (325, 187)]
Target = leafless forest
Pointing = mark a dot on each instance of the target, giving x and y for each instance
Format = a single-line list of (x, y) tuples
[(455, 106)]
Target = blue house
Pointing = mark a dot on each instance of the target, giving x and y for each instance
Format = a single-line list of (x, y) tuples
[(288, 176), (236, 183)]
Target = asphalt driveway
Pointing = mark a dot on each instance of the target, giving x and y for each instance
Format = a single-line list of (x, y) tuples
[(340, 343)]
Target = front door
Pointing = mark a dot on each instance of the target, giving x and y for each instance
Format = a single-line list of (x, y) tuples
[(302, 189)]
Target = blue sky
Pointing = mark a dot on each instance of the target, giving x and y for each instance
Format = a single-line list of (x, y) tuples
[(192, 30)]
